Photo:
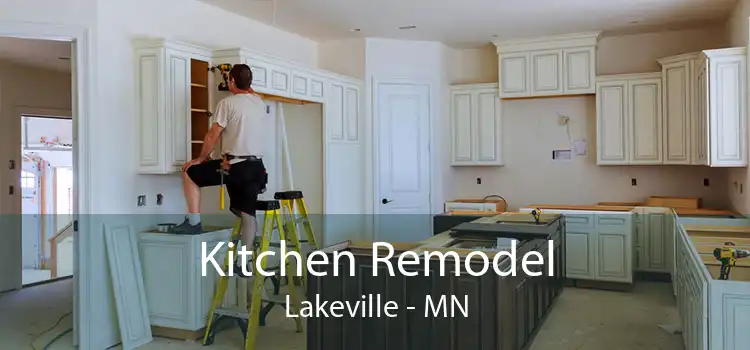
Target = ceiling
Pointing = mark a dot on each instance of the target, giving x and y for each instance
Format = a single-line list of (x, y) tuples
[(36, 53), (476, 21)]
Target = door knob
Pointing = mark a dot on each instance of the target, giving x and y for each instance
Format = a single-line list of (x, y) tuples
[(386, 201)]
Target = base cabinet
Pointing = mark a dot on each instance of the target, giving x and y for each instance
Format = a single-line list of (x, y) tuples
[(654, 240), (599, 245), (178, 295)]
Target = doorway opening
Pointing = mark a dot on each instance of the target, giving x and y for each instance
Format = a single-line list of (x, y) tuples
[(46, 183)]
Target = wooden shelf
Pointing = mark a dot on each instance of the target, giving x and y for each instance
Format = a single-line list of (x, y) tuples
[(199, 105)]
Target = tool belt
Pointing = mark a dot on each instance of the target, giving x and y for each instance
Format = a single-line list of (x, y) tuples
[(230, 157)]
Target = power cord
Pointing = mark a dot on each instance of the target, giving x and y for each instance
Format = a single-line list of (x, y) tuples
[(49, 329)]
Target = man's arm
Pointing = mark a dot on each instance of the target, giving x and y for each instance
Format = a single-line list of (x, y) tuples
[(210, 140)]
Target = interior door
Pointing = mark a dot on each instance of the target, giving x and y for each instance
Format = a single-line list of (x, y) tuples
[(31, 216), (402, 113)]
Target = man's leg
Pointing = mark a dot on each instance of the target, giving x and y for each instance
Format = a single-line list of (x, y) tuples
[(197, 176), (193, 197)]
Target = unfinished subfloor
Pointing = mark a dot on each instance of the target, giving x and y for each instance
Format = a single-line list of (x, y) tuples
[(582, 319)]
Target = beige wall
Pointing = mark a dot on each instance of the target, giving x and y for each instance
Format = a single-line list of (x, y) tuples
[(29, 87), (737, 30), (532, 133), (304, 129)]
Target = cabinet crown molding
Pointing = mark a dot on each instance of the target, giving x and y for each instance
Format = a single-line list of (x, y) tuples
[(730, 51), (159, 43), (548, 42), (679, 58), (474, 86), (278, 61), (628, 76)]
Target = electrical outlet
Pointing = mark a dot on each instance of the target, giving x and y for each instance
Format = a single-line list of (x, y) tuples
[(633, 182), (159, 198), (142, 200), (479, 181), (706, 182)]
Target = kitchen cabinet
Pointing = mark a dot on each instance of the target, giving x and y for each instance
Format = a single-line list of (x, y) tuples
[(171, 94), (547, 66), (178, 295), (476, 125), (599, 244), (629, 119), (654, 240), (705, 108)]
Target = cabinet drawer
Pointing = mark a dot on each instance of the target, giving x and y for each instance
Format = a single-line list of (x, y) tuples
[(580, 220)]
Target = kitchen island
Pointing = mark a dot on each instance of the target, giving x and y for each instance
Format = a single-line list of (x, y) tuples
[(502, 312)]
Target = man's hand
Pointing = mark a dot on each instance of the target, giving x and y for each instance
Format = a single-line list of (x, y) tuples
[(191, 163)]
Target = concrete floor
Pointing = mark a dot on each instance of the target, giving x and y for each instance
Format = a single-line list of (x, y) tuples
[(34, 276), (582, 319)]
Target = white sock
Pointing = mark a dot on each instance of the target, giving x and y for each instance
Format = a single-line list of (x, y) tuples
[(249, 229), (194, 218)]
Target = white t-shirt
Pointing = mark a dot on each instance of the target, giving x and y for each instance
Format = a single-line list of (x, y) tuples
[(242, 117)]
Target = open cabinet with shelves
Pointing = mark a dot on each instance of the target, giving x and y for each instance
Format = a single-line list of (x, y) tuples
[(200, 113)]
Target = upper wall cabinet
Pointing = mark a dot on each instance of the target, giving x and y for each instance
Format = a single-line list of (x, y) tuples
[(476, 125), (629, 119), (548, 66), (705, 108), (171, 103)]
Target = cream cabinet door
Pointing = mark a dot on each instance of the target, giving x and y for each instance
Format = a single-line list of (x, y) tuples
[(645, 111), (546, 72), (514, 75), (727, 96), (461, 127), (579, 70), (677, 112), (612, 122)]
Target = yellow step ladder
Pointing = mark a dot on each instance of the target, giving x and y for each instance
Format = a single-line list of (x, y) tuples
[(250, 321)]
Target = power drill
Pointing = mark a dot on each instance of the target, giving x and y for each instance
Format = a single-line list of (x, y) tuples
[(728, 257), (536, 213), (224, 68)]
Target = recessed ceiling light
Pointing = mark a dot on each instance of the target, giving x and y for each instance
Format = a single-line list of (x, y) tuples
[(354, 30), (63, 58), (633, 22), (407, 27)]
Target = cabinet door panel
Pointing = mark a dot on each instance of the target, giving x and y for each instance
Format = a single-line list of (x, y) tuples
[(336, 112), (646, 121), (612, 123), (579, 69), (352, 113), (657, 245), (149, 70), (514, 71), (727, 89), (546, 75), (178, 109), (578, 253), (487, 128), (611, 261), (462, 125), (677, 113)]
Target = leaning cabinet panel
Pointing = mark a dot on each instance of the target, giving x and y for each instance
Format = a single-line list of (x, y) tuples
[(476, 125), (547, 66)]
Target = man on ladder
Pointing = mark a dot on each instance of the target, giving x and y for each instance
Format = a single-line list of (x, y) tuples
[(238, 124)]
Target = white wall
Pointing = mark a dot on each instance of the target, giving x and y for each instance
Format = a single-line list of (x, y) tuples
[(345, 57), (422, 62), (304, 128), (531, 133), (737, 30)]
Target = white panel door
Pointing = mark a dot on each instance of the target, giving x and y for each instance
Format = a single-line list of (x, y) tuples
[(612, 122), (402, 113), (645, 121), (677, 113)]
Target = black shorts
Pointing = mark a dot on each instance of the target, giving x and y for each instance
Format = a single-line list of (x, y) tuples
[(245, 181)]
